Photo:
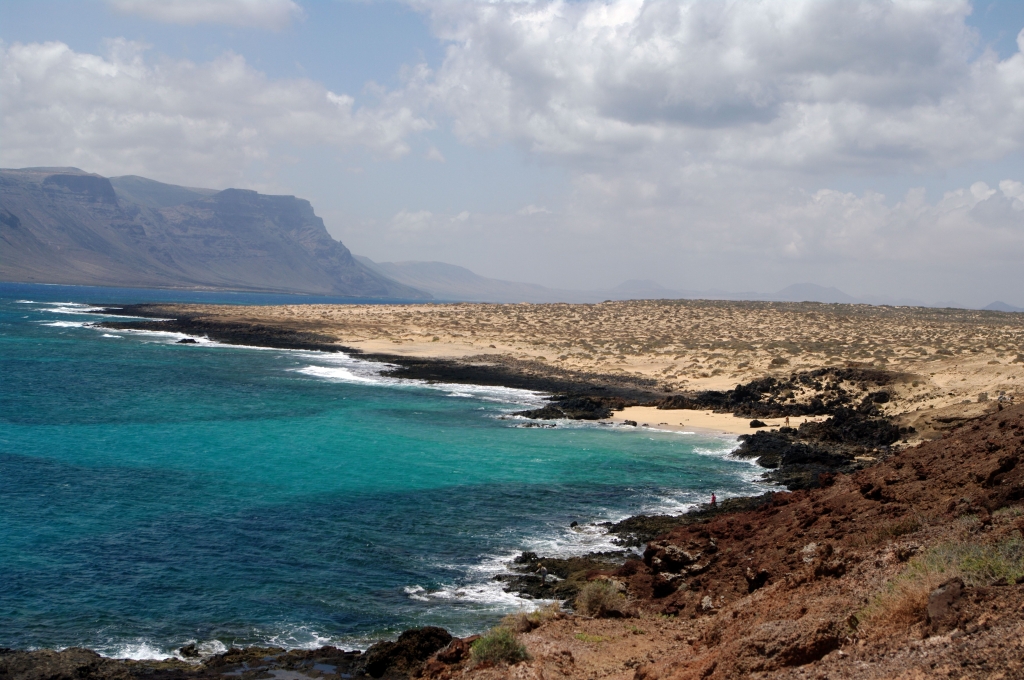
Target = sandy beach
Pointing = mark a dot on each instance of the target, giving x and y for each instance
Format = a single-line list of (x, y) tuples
[(682, 420)]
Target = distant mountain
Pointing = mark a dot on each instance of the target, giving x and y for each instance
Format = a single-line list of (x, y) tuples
[(451, 282), (643, 289), (62, 225), (809, 292), (998, 306), (153, 194)]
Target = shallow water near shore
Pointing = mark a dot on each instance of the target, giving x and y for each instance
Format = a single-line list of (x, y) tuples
[(153, 494)]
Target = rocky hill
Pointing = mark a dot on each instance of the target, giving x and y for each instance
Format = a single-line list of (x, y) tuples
[(62, 225)]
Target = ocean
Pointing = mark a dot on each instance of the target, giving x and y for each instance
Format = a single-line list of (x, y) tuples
[(154, 494)]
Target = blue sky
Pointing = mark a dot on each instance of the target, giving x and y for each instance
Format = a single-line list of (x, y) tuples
[(874, 146)]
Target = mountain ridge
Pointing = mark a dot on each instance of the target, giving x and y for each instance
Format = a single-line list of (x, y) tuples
[(73, 227), (458, 284)]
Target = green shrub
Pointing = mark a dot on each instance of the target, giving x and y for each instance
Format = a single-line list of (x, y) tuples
[(600, 599), (981, 565), (500, 645)]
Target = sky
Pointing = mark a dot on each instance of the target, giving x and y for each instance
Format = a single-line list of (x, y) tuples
[(876, 146)]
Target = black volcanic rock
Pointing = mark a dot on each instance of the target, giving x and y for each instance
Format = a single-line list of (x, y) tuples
[(403, 656), (61, 225), (575, 407)]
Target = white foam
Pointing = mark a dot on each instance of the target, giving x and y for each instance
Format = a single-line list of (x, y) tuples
[(204, 649), (416, 593), (139, 650), (303, 637), (110, 335), (480, 590), (70, 308), (341, 367), (167, 337), (65, 324), (335, 374)]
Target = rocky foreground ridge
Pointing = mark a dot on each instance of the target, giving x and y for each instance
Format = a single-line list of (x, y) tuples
[(62, 225), (912, 568)]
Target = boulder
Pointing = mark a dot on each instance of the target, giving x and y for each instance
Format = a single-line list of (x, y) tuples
[(942, 599), (407, 653)]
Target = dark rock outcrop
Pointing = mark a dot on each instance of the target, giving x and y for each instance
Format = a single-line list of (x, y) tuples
[(823, 391), (407, 653), (798, 458), (565, 576), (575, 408)]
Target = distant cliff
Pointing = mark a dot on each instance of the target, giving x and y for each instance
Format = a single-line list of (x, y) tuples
[(61, 225)]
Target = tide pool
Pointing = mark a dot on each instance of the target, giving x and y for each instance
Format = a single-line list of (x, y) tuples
[(153, 494)]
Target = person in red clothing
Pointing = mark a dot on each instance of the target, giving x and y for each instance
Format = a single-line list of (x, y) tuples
[(714, 501)]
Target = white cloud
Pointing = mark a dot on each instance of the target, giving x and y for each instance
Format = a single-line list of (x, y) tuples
[(406, 221), (704, 140), (271, 14), (793, 84), (178, 120), (703, 143)]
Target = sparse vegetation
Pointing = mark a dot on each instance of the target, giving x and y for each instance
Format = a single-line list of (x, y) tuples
[(524, 622), (592, 639), (892, 530), (904, 600), (681, 344), (500, 645), (600, 599)]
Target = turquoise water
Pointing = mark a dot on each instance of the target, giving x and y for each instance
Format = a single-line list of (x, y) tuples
[(153, 494)]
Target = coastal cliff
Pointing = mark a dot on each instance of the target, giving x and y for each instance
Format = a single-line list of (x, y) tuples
[(61, 225)]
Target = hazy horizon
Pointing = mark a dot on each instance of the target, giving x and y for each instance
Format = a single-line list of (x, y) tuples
[(875, 147)]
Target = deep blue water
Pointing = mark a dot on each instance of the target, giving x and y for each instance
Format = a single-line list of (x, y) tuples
[(153, 494)]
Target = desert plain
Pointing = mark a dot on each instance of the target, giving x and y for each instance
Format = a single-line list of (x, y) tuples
[(952, 363)]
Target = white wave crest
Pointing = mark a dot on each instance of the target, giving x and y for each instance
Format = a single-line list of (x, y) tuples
[(70, 308), (416, 593), (335, 374), (341, 367), (166, 337), (302, 637), (138, 650), (66, 324)]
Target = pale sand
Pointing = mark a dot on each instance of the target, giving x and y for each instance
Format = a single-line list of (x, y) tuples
[(696, 421)]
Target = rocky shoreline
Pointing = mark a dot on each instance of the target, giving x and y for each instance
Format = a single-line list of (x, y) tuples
[(821, 583), (855, 435), (856, 430)]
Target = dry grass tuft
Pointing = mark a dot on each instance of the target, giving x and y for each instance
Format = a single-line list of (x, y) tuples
[(601, 599), (524, 622), (893, 530)]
